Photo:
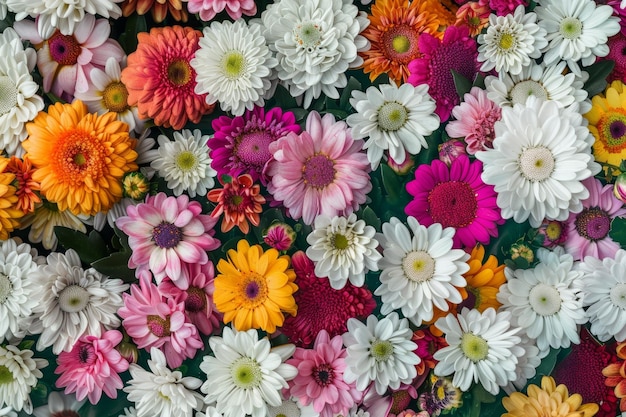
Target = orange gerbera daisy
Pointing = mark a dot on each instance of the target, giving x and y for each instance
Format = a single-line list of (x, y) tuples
[(158, 9), (474, 15), (394, 31), (26, 186), (240, 200), (80, 157), (254, 288), (9, 213), (615, 374)]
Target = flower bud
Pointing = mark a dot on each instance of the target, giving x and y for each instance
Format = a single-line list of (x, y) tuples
[(135, 185), (523, 251), (619, 187), (401, 168), (451, 150), (280, 236)]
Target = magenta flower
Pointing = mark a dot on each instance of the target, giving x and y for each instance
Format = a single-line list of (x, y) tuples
[(320, 377), (504, 7), (240, 145), (207, 9), (167, 232), (152, 321), (455, 197), (321, 171), (92, 366), (279, 236), (588, 231)]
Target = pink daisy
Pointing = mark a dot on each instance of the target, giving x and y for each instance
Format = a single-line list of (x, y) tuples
[(504, 7), (588, 231), (207, 9), (320, 377), (65, 61), (197, 297), (475, 118), (92, 366), (166, 232), (458, 52), (240, 145), (321, 171), (455, 197), (320, 307), (152, 321)]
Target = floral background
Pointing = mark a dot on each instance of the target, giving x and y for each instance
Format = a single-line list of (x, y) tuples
[(312, 208)]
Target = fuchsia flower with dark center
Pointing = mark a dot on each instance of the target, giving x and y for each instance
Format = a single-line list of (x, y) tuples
[(617, 54)]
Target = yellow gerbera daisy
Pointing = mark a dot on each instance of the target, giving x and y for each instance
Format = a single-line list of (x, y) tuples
[(81, 157), (549, 400), (254, 288), (607, 123), (9, 213)]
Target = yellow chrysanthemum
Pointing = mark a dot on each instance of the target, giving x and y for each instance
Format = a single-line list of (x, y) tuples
[(9, 213), (81, 157), (607, 123), (548, 401), (254, 288)]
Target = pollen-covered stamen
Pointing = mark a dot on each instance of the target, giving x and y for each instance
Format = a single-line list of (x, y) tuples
[(167, 235), (593, 224), (158, 326), (318, 171), (64, 49)]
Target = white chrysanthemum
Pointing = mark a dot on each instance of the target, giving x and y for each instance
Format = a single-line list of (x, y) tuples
[(292, 408), (603, 290), (185, 163), (3, 15), (343, 249), (73, 301), (107, 93), (62, 14), (19, 102), (233, 65), (419, 272), (541, 81), (511, 41), (245, 376), (545, 300), (482, 347), (315, 43), (526, 364), (380, 351), (6, 411), (59, 404), (19, 373), (161, 391), (396, 119), (17, 289), (540, 156), (576, 30), (132, 412)]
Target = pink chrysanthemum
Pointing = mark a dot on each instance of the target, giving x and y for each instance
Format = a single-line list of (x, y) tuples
[(207, 9), (240, 145), (165, 232), (321, 171), (197, 296), (504, 7), (320, 377), (588, 231), (92, 366), (475, 118), (455, 197), (617, 54), (458, 52), (320, 307), (152, 321)]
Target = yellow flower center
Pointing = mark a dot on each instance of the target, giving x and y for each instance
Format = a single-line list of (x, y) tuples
[(115, 97), (6, 376), (400, 44), (506, 41), (79, 155), (418, 266), (340, 241), (186, 161), (553, 230), (536, 164), (234, 64), (179, 72), (246, 373), (474, 347), (381, 350)]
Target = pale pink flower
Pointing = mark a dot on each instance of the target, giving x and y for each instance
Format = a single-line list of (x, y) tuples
[(92, 366), (166, 232), (207, 9)]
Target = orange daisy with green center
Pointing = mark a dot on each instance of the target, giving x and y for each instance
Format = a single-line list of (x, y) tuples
[(80, 157), (254, 288)]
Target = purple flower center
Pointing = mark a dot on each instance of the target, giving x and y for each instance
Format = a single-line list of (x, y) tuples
[(618, 128), (318, 171), (196, 300), (166, 235), (158, 326), (612, 130), (64, 49), (324, 374), (453, 204), (86, 354), (252, 290), (252, 148), (593, 224)]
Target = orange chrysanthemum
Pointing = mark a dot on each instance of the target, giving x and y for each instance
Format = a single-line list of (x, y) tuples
[(9, 213), (26, 186), (158, 9), (394, 31), (240, 200), (254, 288), (159, 79), (80, 157), (615, 374), (474, 15)]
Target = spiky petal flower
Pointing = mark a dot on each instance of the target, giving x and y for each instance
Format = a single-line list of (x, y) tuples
[(26, 187), (20, 373), (9, 213), (240, 201)]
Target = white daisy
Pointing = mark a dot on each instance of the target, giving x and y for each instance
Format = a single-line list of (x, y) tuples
[(59, 404), (19, 373), (545, 301), (132, 412), (544, 82), (511, 41), (72, 301), (603, 290), (396, 119), (292, 408), (380, 351), (540, 156), (527, 364), (3, 15), (17, 289), (419, 272), (161, 391), (7, 411), (245, 376), (185, 163), (482, 347), (19, 102), (343, 249), (234, 65), (107, 93), (577, 30), (315, 43)]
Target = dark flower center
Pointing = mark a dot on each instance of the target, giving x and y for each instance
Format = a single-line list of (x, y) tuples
[(196, 300), (64, 49), (65, 413), (158, 326), (166, 235), (179, 72), (252, 290), (453, 204), (318, 171), (612, 130), (86, 354), (593, 224), (324, 374)]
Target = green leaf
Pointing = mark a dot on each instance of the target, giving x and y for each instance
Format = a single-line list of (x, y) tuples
[(89, 248), (267, 218), (545, 367), (135, 24), (116, 266), (371, 218), (597, 76), (618, 231), (508, 234), (338, 113), (391, 183), (462, 84), (283, 99)]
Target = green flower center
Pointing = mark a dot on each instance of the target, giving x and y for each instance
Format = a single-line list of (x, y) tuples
[(8, 95), (524, 89), (381, 350), (186, 161), (73, 299), (392, 116), (400, 44), (474, 347), (340, 241), (544, 299), (234, 65), (246, 373), (618, 296), (506, 41), (536, 164), (6, 288), (115, 97), (418, 266), (571, 28), (308, 35), (6, 376), (554, 230)]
